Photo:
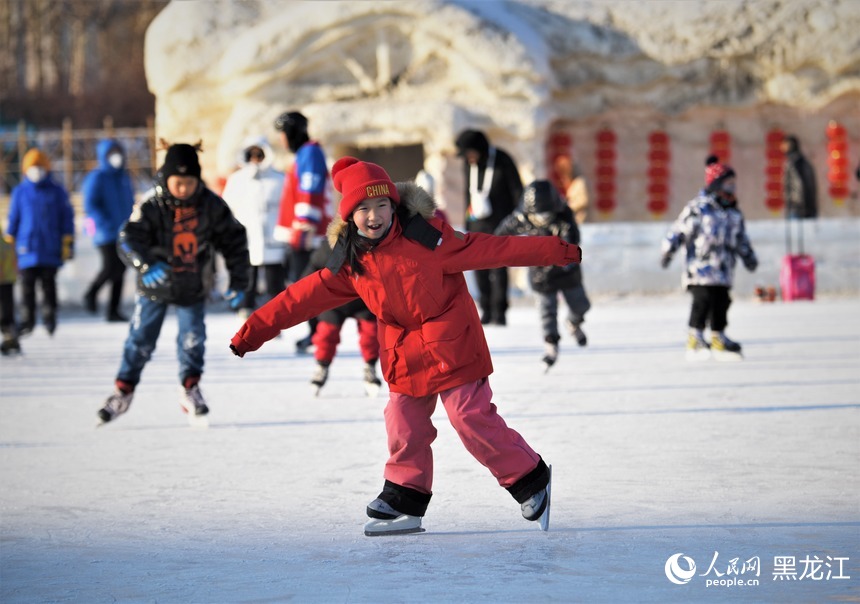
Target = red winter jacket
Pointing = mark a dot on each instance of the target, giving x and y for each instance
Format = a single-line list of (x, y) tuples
[(430, 335)]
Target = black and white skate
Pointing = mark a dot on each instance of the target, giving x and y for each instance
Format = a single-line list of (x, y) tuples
[(372, 383), (543, 521), (550, 355), (11, 349), (403, 524), (536, 507), (319, 378), (576, 332), (194, 406), (385, 520), (115, 405)]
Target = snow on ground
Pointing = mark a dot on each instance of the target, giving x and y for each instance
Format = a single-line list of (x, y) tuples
[(652, 456)]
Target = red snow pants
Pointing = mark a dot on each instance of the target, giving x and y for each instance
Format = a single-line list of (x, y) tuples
[(481, 429), (327, 336)]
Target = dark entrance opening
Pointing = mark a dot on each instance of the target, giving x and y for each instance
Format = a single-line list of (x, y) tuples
[(402, 163)]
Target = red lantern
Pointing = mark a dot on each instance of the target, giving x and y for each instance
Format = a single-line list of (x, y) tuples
[(721, 142), (605, 168), (558, 159), (774, 200), (837, 161), (659, 156)]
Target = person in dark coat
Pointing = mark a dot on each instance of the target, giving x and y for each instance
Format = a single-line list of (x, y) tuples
[(544, 212), (493, 188), (170, 240), (108, 200), (799, 184)]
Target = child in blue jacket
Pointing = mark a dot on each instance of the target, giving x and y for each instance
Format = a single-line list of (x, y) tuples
[(41, 223), (108, 200)]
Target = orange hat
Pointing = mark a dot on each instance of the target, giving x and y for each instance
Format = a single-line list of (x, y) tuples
[(34, 157)]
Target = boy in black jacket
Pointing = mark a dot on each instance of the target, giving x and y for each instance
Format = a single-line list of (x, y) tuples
[(170, 240), (543, 212)]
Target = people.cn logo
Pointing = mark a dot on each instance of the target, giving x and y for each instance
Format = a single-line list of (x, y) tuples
[(676, 573)]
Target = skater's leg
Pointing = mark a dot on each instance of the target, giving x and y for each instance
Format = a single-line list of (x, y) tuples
[(499, 294), (101, 277), (548, 308), (577, 303), (368, 340), (144, 328), (7, 307), (48, 280), (410, 434), (482, 280), (276, 278), (720, 302), (116, 278), (701, 307), (250, 301), (486, 436), (28, 299), (327, 337), (191, 342)]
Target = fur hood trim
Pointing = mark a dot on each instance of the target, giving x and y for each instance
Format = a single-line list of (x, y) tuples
[(412, 197)]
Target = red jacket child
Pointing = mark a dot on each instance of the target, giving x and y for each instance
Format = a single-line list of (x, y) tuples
[(408, 267)]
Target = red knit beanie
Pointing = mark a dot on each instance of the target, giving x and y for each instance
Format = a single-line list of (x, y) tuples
[(359, 180), (716, 170)]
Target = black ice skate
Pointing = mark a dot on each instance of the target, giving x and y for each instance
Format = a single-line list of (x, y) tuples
[(385, 520), (115, 405), (10, 345), (550, 352), (193, 404), (577, 333), (536, 507)]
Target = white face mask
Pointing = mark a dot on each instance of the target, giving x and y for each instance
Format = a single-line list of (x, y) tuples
[(115, 160), (35, 173)]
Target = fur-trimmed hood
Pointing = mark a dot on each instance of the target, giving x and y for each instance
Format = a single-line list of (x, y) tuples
[(412, 197)]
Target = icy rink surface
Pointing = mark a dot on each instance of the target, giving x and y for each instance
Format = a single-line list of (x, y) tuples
[(652, 456)]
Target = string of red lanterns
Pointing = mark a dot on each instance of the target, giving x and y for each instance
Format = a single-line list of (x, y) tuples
[(837, 162), (773, 188), (605, 157), (659, 156)]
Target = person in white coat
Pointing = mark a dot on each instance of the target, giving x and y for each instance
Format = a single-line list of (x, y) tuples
[(253, 193)]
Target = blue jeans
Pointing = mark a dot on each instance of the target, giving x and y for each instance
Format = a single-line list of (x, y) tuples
[(143, 333)]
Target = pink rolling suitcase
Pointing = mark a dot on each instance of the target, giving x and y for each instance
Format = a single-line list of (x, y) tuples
[(797, 273), (797, 277)]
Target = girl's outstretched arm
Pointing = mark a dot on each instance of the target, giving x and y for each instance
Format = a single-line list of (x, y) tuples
[(304, 299)]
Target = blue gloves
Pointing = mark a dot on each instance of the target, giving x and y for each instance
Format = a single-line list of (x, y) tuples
[(155, 275), (234, 298)]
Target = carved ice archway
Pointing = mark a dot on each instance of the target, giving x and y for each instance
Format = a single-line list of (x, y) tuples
[(387, 78)]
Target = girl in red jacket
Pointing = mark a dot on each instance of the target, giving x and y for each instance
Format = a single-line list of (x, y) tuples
[(407, 266)]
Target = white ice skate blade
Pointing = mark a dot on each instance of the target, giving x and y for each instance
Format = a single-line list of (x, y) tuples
[(726, 356), (316, 389), (543, 521), (402, 525), (697, 356), (372, 390)]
